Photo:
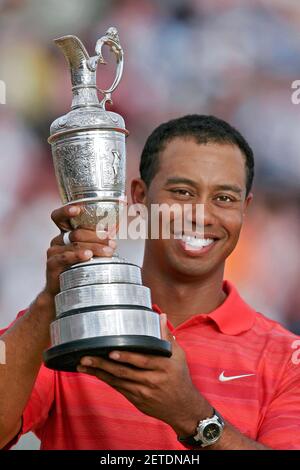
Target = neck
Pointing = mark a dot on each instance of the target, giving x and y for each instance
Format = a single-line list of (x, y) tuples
[(183, 298)]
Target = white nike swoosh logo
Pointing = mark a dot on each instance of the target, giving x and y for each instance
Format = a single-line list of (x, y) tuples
[(224, 378)]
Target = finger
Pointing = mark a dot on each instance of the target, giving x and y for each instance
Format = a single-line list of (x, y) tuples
[(111, 231), (131, 390), (83, 235), (97, 249), (140, 361), (59, 262), (108, 378), (61, 217), (114, 368), (101, 374)]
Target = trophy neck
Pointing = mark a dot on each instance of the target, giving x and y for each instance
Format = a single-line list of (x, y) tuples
[(85, 96), (83, 78)]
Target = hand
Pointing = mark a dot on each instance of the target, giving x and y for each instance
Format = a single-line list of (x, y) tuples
[(158, 386), (85, 243)]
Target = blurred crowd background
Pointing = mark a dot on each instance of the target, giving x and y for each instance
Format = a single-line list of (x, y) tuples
[(236, 59)]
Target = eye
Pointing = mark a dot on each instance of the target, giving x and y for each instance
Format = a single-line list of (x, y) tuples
[(225, 198), (181, 192)]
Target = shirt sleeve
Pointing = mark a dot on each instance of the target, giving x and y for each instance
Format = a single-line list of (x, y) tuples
[(280, 428), (40, 401)]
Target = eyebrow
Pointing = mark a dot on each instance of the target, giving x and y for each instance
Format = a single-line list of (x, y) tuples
[(181, 180), (229, 187), (219, 187)]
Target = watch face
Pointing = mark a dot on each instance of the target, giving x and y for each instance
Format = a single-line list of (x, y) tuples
[(211, 431)]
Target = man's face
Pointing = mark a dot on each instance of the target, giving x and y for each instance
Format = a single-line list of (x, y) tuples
[(191, 173)]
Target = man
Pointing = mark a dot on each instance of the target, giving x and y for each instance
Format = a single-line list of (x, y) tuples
[(231, 382)]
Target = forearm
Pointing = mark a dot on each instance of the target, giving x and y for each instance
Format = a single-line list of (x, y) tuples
[(233, 439), (24, 342)]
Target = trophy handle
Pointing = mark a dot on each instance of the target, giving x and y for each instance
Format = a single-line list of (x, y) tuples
[(110, 39)]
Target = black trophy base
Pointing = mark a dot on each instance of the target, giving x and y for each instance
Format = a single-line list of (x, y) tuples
[(66, 357)]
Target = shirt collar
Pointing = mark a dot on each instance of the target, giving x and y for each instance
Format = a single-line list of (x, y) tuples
[(232, 317)]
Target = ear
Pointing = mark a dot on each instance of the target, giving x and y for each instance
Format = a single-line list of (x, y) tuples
[(138, 191), (247, 202)]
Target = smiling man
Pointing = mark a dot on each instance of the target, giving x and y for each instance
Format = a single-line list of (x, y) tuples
[(231, 382)]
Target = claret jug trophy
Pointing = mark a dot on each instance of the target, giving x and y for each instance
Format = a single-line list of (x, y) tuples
[(102, 304)]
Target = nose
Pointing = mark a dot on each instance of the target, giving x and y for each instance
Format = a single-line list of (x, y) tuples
[(209, 215), (199, 215)]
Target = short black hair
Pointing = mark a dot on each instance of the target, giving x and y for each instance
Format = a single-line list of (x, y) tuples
[(203, 129)]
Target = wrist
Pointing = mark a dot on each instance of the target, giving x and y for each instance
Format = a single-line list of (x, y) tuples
[(208, 432), (186, 424), (44, 302)]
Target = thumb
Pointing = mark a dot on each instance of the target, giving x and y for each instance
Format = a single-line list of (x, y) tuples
[(165, 332)]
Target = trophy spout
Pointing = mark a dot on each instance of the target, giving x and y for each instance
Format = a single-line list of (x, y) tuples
[(83, 71), (75, 53)]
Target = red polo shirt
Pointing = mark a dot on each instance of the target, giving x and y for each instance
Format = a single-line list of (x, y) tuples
[(260, 395)]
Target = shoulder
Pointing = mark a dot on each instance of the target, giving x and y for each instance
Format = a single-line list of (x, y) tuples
[(258, 324), (280, 347), (272, 329)]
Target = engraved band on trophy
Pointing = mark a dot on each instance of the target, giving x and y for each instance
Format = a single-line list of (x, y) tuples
[(102, 304)]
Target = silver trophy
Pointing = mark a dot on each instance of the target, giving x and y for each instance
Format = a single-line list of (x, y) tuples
[(102, 304)]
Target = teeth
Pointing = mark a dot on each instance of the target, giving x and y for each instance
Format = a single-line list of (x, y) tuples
[(195, 242)]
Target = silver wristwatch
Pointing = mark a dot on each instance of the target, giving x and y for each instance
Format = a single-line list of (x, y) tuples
[(209, 431)]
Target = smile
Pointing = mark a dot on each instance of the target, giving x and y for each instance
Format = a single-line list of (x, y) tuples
[(194, 245), (195, 242)]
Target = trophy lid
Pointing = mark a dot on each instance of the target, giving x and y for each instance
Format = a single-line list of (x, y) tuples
[(87, 111)]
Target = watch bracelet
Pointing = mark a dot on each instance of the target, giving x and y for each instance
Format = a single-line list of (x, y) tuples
[(191, 442)]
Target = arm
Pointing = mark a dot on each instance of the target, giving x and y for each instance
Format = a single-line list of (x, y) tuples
[(26, 340), (24, 343), (155, 387)]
